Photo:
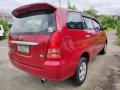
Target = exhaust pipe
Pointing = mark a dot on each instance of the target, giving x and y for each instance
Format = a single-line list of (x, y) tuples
[(43, 80)]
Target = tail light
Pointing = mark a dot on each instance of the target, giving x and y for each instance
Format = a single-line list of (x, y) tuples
[(54, 50)]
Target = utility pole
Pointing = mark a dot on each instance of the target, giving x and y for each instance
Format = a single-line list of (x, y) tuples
[(59, 3)]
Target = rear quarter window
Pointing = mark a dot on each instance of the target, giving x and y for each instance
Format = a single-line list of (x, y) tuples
[(74, 20)]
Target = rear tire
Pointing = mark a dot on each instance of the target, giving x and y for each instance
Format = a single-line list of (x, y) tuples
[(103, 51), (81, 72)]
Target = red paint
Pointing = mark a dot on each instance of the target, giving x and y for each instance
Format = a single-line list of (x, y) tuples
[(62, 49)]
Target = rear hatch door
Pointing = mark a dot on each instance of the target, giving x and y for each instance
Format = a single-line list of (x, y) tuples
[(29, 36)]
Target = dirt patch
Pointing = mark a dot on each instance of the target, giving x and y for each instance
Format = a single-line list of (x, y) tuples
[(112, 79), (98, 87), (117, 56), (112, 76)]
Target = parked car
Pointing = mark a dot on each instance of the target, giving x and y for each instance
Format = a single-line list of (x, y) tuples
[(55, 43), (1, 31)]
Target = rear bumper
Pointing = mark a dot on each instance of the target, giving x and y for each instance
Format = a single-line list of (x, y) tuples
[(53, 71)]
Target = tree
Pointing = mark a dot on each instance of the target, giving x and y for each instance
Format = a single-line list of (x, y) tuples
[(109, 22), (73, 7), (92, 12)]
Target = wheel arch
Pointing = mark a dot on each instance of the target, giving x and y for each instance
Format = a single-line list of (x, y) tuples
[(106, 41), (86, 55)]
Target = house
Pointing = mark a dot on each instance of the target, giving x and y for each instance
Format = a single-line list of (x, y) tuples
[(7, 16)]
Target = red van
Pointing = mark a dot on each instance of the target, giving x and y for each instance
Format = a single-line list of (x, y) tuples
[(55, 43)]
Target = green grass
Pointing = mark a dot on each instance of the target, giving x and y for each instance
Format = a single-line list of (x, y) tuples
[(118, 42), (108, 29), (118, 34)]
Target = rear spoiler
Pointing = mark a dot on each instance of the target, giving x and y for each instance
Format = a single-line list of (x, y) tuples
[(32, 7)]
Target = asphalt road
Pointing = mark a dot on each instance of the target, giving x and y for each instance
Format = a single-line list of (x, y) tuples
[(103, 72)]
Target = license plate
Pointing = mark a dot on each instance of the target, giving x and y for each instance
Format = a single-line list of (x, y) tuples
[(23, 48)]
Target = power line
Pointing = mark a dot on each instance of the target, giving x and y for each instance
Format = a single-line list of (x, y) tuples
[(59, 3)]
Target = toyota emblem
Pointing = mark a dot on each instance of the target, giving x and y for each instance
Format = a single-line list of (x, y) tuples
[(20, 37)]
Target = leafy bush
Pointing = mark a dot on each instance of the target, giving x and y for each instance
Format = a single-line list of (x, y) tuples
[(6, 28), (109, 22)]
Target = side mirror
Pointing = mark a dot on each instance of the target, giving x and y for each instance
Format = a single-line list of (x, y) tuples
[(103, 28)]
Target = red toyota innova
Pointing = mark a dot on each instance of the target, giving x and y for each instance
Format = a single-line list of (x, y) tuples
[(55, 43)]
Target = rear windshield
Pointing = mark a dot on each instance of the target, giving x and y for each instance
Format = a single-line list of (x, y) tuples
[(35, 23)]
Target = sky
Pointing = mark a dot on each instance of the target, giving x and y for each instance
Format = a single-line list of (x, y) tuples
[(110, 7)]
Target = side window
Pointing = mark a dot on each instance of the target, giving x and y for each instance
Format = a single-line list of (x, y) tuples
[(88, 23), (96, 25), (74, 21)]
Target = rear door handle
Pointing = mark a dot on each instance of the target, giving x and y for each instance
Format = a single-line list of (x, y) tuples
[(98, 34), (88, 36)]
